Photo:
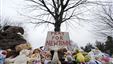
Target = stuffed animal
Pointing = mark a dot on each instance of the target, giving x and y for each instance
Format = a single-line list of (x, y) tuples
[(3, 54), (35, 58), (22, 57), (23, 46)]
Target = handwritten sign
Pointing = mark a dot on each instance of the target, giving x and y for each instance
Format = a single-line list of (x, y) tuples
[(58, 39)]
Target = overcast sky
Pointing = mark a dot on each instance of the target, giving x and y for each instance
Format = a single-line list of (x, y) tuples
[(37, 36)]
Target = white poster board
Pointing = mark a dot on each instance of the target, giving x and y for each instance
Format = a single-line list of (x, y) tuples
[(57, 39)]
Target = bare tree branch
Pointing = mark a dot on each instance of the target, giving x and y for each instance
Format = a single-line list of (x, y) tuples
[(54, 3), (42, 21), (76, 4), (60, 10), (35, 2), (42, 1), (105, 21)]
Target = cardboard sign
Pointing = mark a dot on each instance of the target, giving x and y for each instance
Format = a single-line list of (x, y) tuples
[(59, 39)]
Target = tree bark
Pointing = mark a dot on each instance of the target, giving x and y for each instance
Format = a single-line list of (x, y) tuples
[(57, 27)]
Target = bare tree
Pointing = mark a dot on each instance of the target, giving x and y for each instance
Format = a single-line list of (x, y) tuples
[(4, 22), (56, 12), (8, 21), (105, 20)]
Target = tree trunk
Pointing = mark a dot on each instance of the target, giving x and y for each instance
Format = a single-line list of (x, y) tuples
[(57, 27)]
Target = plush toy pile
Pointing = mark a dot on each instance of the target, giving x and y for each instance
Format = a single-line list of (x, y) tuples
[(61, 56)]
